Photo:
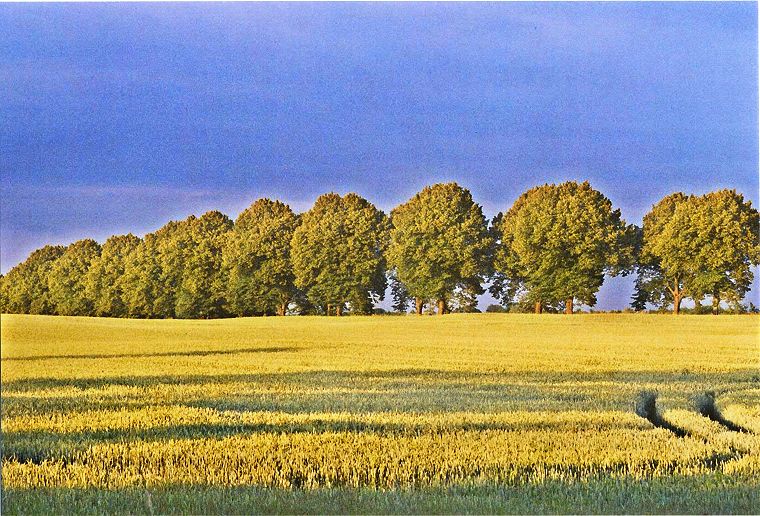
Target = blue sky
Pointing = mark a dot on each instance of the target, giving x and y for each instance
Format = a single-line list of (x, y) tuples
[(118, 118)]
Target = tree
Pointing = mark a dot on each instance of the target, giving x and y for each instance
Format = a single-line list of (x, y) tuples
[(201, 286), (140, 283), (697, 246), (652, 285), (102, 284), (66, 281), (465, 298), (439, 242), (729, 232), (401, 297), (153, 271), (337, 253), (260, 276), (174, 250), (3, 295), (26, 285), (556, 244)]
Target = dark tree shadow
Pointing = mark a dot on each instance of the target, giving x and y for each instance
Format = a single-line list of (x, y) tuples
[(200, 353)]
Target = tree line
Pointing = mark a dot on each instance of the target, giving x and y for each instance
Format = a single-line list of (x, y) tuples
[(549, 251)]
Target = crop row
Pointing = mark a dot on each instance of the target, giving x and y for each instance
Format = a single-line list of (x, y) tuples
[(364, 459)]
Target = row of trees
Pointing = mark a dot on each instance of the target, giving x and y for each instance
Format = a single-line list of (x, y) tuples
[(552, 249)]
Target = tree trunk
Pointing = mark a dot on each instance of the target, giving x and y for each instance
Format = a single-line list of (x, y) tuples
[(418, 305), (328, 309), (677, 302), (716, 304), (282, 308), (441, 306), (569, 306), (339, 309), (539, 308)]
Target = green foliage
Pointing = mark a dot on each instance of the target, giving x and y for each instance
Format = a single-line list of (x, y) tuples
[(201, 289), (152, 272), (26, 285), (174, 247), (3, 294), (440, 242), (102, 284), (140, 284), (67, 279), (554, 245), (337, 252), (557, 242), (401, 297), (465, 298), (697, 246), (260, 276)]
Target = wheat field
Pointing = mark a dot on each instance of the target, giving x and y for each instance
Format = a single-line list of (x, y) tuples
[(495, 413)]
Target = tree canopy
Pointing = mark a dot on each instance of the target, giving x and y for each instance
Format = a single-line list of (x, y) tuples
[(553, 247), (102, 284), (439, 242), (67, 278), (201, 289), (26, 285), (694, 246), (260, 279), (338, 253), (556, 244)]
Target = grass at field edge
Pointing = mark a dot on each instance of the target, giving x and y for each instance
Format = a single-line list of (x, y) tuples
[(706, 494)]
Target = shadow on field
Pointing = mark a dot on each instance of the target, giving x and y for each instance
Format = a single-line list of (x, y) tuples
[(707, 406), (201, 353), (404, 378), (400, 390), (646, 407), (39, 445)]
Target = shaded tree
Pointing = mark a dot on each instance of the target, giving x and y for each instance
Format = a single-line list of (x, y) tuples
[(67, 278), (439, 241), (337, 253), (201, 285), (401, 297), (174, 249), (140, 284), (729, 233), (556, 244), (257, 261), (102, 284), (465, 298), (697, 246), (652, 285), (3, 294), (26, 285), (153, 271)]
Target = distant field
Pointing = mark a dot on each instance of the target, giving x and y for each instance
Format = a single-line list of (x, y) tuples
[(463, 413)]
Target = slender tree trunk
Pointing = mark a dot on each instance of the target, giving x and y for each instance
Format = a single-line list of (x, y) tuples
[(281, 309), (339, 309), (418, 305), (441, 306), (676, 300), (716, 304), (539, 308), (328, 309), (569, 306)]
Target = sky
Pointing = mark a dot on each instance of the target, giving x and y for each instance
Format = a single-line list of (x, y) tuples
[(117, 118)]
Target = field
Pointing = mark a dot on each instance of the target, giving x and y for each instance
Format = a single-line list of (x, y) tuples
[(492, 413)]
